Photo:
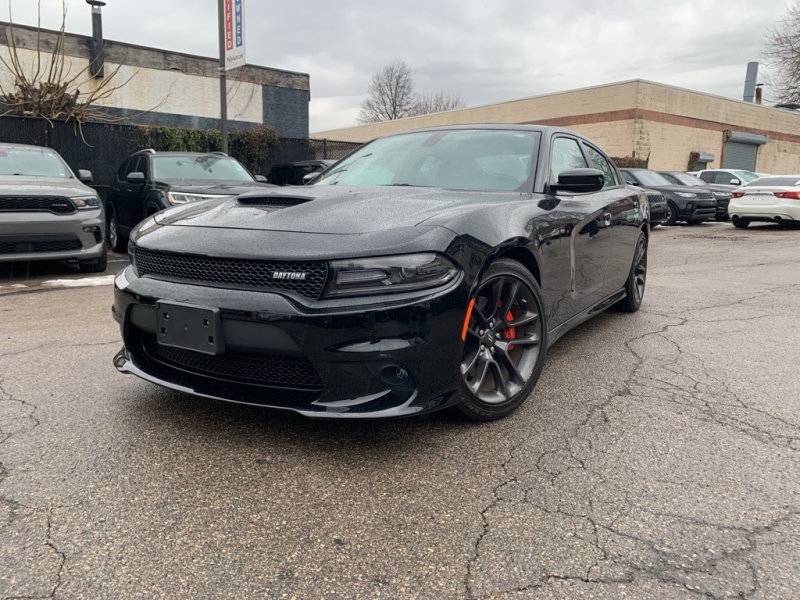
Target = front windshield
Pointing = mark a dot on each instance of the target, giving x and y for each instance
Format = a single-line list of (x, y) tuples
[(746, 176), (198, 168), (488, 160), (651, 178), (32, 162), (686, 179)]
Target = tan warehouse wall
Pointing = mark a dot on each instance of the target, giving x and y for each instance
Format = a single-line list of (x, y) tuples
[(647, 118)]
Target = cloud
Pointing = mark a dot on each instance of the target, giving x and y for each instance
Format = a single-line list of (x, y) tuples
[(484, 51)]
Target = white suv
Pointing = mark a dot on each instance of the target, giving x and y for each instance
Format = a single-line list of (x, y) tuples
[(732, 178)]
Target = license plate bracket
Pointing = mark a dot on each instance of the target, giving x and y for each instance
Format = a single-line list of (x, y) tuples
[(189, 327)]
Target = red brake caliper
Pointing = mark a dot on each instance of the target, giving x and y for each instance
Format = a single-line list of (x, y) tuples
[(511, 332)]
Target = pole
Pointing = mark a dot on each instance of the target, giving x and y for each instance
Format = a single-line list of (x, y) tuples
[(223, 84)]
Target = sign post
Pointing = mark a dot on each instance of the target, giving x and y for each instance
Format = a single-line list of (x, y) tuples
[(231, 54)]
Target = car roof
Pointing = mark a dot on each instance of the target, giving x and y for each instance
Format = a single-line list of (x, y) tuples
[(544, 129)]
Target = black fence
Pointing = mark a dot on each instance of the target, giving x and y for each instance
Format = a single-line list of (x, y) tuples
[(101, 147)]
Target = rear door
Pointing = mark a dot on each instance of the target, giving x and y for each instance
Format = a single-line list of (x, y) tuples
[(590, 239)]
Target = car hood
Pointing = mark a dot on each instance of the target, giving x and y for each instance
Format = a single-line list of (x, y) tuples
[(334, 209), (204, 187), (18, 185), (667, 188)]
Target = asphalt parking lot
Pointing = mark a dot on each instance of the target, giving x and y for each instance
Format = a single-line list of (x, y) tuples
[(659, 457)]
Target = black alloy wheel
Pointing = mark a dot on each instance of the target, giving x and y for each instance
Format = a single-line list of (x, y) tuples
[(637, 277), (740, 223), (672, 215), (118, 244), (505, 345)]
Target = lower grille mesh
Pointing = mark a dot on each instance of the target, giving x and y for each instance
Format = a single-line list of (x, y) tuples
[(37, 246), (246, 367)]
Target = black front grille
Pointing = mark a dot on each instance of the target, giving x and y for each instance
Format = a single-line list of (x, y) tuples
[(655, 198), (244, 367), (59, 206), (38, 244), (705, 195), (235, 272)]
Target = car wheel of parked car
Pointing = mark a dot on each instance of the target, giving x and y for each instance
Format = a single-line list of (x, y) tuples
[(118, 242), (505, 343), (637, 278), (95, 266), (672, 215), (740, 223)]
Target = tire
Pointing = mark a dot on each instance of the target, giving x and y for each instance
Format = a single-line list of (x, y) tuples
[(672, 215), (95, 266), (740, 223), (507, 294), (118, 242), (637, 278)]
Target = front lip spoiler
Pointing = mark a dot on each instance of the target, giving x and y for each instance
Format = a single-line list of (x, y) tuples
[(333, 410)]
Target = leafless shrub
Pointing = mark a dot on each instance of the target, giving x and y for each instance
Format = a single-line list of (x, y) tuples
[(782, 52), (433, 102)]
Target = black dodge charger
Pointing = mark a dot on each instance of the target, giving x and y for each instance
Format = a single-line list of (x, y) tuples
[(427, 269)]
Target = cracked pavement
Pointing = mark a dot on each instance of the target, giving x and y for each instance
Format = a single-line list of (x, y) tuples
[(659, 457)]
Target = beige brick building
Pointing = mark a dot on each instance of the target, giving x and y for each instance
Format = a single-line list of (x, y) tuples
[(675, 128)]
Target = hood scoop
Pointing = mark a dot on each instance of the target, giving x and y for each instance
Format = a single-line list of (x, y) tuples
[(272, 201)]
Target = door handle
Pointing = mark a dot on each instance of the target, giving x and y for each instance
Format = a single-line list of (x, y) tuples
[(607, 219)]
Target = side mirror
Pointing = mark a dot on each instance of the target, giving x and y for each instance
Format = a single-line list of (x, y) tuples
[(261, 179), (309, 177), (85, 176), (135, 177), (735, 182), (579, 181)]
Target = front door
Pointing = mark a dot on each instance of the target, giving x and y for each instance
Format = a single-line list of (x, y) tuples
[(590, 240)]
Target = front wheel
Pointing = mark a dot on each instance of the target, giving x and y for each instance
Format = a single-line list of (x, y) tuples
[(505, 346), (95, 266), (740, 223), (672, 215), (637, 278), (118, 242)]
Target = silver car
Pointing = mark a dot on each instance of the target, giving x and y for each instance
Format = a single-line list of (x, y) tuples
[(46, 212)]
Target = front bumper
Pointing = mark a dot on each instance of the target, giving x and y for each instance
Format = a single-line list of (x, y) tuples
[(332, 359), (697, 211), (28, 236), (722, 209), (658, 212)]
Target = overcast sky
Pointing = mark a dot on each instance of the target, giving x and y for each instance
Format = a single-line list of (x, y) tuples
[(486, 51)]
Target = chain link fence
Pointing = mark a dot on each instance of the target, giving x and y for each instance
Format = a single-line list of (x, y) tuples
[(101, 147)]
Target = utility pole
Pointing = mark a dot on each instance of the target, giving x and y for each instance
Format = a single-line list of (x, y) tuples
[(223, 83)]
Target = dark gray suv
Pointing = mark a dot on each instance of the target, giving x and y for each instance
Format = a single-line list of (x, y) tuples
[(46, 212)]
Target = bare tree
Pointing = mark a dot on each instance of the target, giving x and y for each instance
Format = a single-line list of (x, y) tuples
[(782, 51), (49, 90), (391, 94), (434, 102)]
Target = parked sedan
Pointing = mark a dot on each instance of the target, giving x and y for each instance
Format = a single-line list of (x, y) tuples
[(688, 206), (721, 193), (775, 199), (428, 269), (46, 212)]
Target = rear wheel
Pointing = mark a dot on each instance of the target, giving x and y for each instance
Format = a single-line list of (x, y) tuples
[(740, 223), (505, 347), (118, 242), (637, 278)]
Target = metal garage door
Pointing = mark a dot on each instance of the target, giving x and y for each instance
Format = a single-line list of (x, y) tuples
[(741, 150), (740, 156)]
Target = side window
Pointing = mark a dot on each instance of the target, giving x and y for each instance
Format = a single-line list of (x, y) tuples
[(724, 177), (707, 176), (566, 154), (123, 170), (144, 167), (599, 162)]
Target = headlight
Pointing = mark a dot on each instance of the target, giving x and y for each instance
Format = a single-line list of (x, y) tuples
[(86, 202), (390, 274), (721, 194), (181, 198), (686, 194)]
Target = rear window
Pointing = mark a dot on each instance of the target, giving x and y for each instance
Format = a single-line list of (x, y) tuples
[(775, 182)]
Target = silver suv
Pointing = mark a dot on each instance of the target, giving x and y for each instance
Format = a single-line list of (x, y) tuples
[(46, 212)]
